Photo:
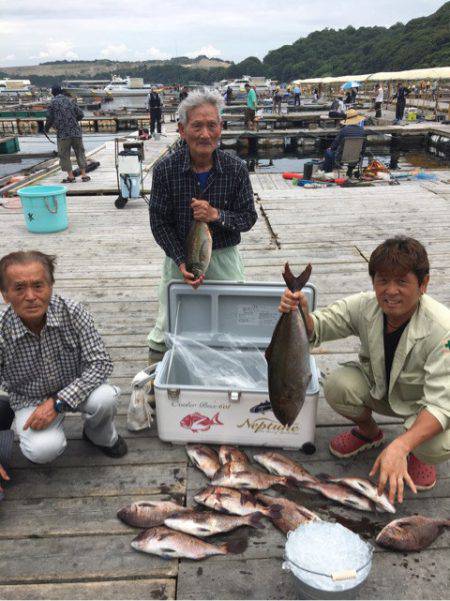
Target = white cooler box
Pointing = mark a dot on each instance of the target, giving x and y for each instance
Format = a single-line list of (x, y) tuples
[(236, 322)]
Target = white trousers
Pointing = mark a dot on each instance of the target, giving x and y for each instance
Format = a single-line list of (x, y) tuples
[(98, 412)]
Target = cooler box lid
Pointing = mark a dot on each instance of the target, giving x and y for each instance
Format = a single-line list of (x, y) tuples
[(218, 312)]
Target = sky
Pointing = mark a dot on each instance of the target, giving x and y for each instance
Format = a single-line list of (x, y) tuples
[(33, 31)]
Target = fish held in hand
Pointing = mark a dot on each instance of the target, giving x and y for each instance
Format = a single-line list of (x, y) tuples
[(291, 516), (413, 533), (204, 458), (281, 465), (227, 454), (146, 514), (340, 494), (206, 523), (170, 544), (242, 475), (237, 502), (288, 359), (367, 489), (198, 248)]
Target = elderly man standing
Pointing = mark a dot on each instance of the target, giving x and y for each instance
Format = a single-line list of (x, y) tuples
[(52, 361), (403, 368), (201, 182), (64, 115)]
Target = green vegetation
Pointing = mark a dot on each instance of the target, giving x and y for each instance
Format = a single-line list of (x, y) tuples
[(423, 42)]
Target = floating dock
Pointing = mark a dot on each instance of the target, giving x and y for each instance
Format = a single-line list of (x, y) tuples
[(60, 538)]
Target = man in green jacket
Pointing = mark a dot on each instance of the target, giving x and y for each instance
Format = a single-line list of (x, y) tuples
[(403, 368)]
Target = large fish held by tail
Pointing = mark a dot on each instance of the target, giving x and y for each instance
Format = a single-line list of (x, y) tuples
[(287, 356)]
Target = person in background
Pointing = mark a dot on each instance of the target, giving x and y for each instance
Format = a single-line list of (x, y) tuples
[(183, 93), (64, 115), (337, 110), (198, 182), (252, 105), (379, 97), (277, 98), (401, 95), (228, 96), (155, 109), (315, 95), (352, 128), (297, 95), (52, 361), (402, 370)]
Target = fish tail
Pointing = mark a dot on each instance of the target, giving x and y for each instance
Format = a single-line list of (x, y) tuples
[(235, 546), (216, 419), (254, 520), (296, 283)]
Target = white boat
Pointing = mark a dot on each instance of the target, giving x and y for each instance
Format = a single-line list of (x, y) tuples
[(129, 86), (14, 85), (261, 84)]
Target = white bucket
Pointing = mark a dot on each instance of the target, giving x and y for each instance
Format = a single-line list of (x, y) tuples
[(327, 560)]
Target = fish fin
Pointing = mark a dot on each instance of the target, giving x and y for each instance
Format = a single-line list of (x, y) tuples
[(235, 546), (247, 497), (296, 283), (275, 512), (255, 520), (291, 482), (323, 477)]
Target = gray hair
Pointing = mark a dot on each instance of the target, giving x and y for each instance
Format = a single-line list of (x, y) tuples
[(198, 98)]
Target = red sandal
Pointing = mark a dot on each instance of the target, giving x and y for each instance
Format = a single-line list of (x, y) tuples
[(422, 474), (352, 442)]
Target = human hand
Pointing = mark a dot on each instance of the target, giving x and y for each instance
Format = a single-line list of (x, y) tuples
[(290, 301), (42, 416), (393, 466), (203, 211), (189, 278), (3, 476)]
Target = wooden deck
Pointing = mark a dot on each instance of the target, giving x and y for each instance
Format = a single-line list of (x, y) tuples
[(59, 537)]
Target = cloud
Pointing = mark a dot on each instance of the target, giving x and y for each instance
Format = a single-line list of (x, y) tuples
[(210, 51), (8, 57), (118, 51), (61, 50), (151, 54)]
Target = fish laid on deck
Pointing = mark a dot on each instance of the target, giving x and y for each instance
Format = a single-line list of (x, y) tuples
[(366, 488), (237, 502), (287, 355), (413, 533), (281, 465), (204, 458), (243, 475), (340, 494), (207, 523), (146, 514), (292, 514), (228, 453), (170, 544)]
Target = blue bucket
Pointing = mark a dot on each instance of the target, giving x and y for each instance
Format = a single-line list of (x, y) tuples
[(44, 208)]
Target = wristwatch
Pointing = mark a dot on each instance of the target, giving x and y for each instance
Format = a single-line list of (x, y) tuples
[(59, 405)]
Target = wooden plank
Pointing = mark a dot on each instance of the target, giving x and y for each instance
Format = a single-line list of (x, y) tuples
[(392, 577), (73, 558), (144, 588), (60, 483)]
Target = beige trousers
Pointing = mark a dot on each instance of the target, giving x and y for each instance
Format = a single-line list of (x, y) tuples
[(347, 392)]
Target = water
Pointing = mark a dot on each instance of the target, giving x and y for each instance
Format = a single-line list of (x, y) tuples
[(277, 161)]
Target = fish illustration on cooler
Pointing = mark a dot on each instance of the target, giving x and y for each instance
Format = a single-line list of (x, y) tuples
[(196, 422)]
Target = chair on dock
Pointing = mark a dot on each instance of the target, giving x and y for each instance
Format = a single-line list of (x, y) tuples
[(351, 154)]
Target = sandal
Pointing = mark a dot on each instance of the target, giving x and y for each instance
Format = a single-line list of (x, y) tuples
[(422, 474), (68, 180), (352, 442), (85, 178)]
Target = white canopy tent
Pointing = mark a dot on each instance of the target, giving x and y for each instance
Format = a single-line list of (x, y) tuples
[(411, 74)]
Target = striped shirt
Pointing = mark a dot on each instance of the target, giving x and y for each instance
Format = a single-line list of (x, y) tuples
[(68, 360), (227, 189)]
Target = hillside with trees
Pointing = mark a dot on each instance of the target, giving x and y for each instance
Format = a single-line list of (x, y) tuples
[(423, 42)]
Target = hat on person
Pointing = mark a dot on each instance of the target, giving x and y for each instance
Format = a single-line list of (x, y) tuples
[(352, 117), (56, 90)]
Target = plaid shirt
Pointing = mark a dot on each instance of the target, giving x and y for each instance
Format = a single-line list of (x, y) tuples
[(175, 184), (68, 360)]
